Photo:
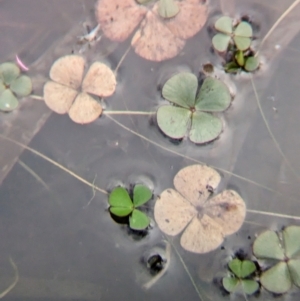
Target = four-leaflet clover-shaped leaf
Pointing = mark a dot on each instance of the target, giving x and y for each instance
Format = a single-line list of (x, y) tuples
[(121, 205), (283, 247), (12, 84), (240, 34), (191, 111), (241, 270), (204, 220), (69, 91)]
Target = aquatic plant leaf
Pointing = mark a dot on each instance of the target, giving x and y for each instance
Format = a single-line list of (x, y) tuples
[(58, 98), (22, 86), (196, 183), (2, 86), (230, 284), (118, 18), (214, 96), (205, 127), (240, 58), (9, 72), (68, 70), (242, 268), (138, 220), (85, 109), (242, 43), (8, 102), (189, 208), (168, 8), (224, 24), (232, 67), (202, 235), (119, 197), (172, 212), (181, 89), (244, 29), (99, 80), (294, 268), (277, 279), (251, 63), (173, 121), (267, 245), (120, 211), (141, 195), (228, 209), (221, 41), (291, 239), (249, 286)]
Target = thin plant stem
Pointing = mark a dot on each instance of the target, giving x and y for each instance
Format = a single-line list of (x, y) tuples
[(55, 164), (271, 133), (122, 59), (127, 113), (38, 97), (274, 214), (6, 291), (289, 9)]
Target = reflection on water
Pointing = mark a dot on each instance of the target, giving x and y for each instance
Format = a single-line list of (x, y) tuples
[(66, 249)]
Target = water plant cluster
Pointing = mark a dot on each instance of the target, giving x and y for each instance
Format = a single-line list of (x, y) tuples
[(233, 41)]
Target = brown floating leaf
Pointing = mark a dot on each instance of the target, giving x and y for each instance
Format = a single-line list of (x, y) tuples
[(68, 70), (118, 18), (85, 109), (99, 80), (58, 98), (154, 41), (196, 183), (207, 220), (157, 38)]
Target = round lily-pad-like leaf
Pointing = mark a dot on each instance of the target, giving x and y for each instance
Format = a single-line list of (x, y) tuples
[(251, 64), (244, 29), (205, 127), (121, 211), (141, 195), (181, 89), (68, 70), (242, 43), (85, 109), (214, 96), (138, 220), (224, 24), (277, 279), (230, 284), (291, 238), (267, 245), (9, 72), (221, 41), (99, 80), (119, 197), (58, 98), (294, 268), (249, 286), (173, 121), (8, 102), (22, 86)]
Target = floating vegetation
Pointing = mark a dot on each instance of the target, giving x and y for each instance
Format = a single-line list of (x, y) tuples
[(284, 249), (163, 27), (122, 205), (236, 40), (191, 112), (240, 279), (13, 84), (63, 95), (205, 219)]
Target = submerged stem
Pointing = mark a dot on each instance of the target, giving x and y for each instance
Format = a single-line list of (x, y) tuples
[(6, 291), (271, 133), (127, 113), (289, 9)]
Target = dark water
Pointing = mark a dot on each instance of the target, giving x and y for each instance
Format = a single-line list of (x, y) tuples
[(67, 248)]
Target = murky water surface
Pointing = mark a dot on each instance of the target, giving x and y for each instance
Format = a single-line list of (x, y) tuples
[(58, 230)]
